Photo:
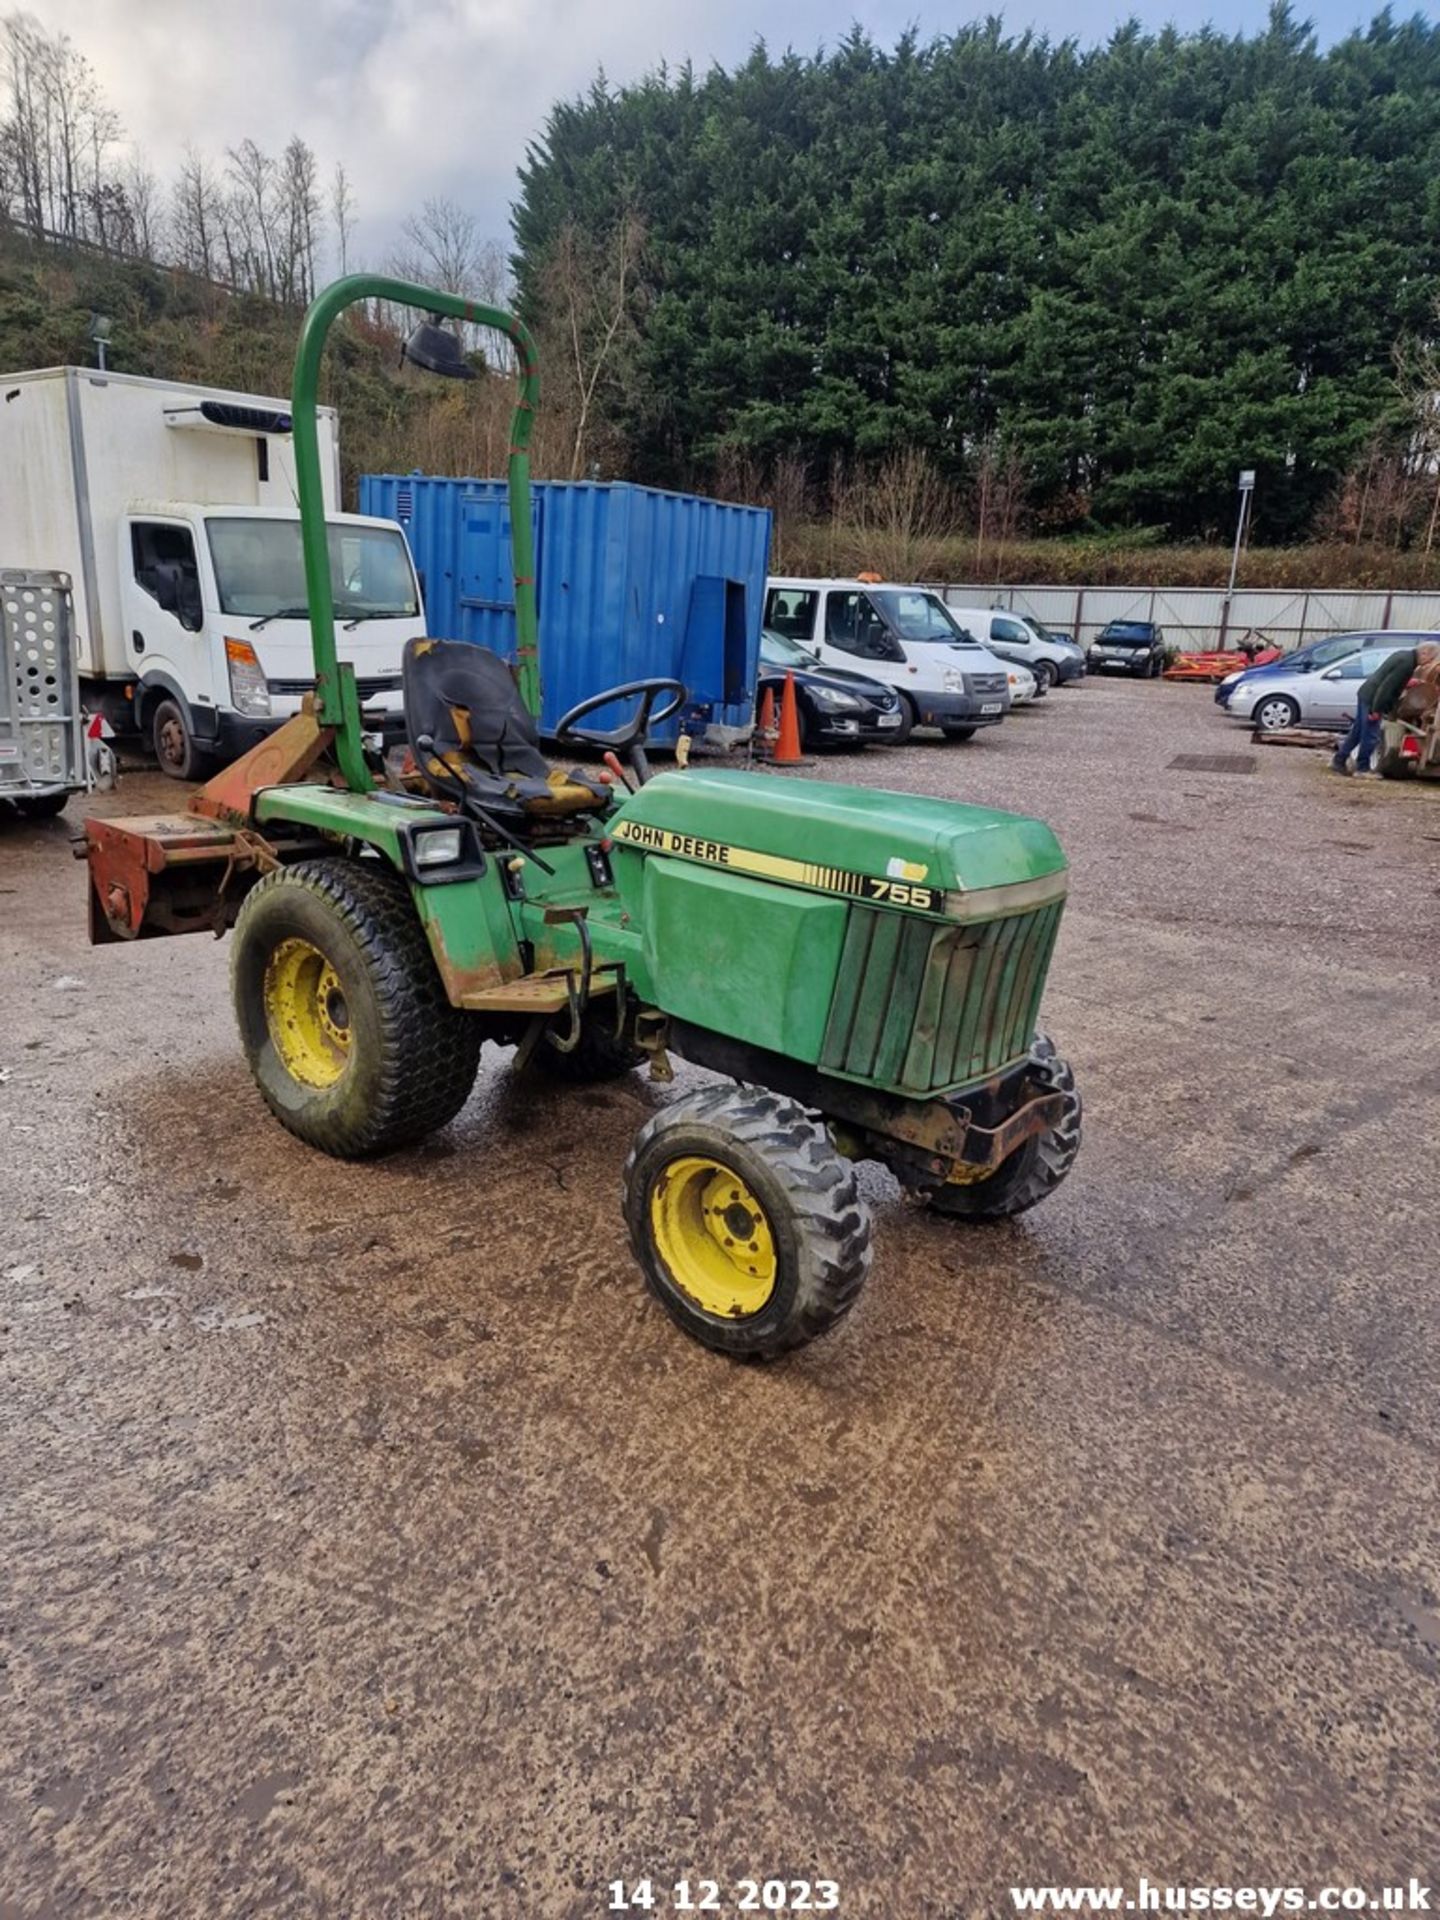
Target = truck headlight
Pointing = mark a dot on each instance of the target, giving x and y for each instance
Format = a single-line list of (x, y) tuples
[(834, 700), (438, 847), (249, 693), (953, 682)]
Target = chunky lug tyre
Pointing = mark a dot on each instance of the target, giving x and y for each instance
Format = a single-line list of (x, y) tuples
[(597, 1056), (1033, 1170), (960, 733), (342, 1014), (1274, 712), (174, 742), (1045, 676), (41, 806), (748, 1226), (908, 719), (1393, 766)]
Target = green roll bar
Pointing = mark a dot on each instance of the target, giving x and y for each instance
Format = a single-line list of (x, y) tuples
[(337, 703)]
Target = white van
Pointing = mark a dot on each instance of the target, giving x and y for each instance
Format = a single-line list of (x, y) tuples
[(903, 636), (1014, 636), (172, 509)]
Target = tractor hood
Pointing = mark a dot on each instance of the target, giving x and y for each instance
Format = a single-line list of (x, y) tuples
[(896, 849)]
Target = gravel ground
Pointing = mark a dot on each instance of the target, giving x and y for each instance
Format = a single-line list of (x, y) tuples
[(372, 1547)]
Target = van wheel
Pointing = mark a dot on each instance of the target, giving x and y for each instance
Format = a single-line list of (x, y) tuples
[(174, 742), (908, 719), (1044, 675), (960, 733)]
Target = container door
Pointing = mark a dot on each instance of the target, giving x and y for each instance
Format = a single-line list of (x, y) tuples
[(712, 657)]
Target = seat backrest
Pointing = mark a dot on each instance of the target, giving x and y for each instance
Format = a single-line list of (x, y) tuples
[(466, 700)]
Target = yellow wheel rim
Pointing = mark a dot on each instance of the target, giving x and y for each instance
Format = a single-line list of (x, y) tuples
[(306, 1012), (713, 1236)]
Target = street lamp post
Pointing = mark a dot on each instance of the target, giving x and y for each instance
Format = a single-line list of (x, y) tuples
[(1247, 491), (100, 328)]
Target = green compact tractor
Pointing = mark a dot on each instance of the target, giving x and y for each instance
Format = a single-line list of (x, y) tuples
[(862, 969)]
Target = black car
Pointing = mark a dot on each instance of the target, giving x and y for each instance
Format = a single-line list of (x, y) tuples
[(834, 706), (1131, 646)]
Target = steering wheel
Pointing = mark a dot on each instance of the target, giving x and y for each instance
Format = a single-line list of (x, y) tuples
[(623, 739)]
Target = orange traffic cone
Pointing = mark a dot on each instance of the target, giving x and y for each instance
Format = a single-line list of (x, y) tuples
[(787, 747), (765, 731)]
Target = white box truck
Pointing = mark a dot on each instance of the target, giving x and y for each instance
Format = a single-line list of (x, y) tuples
[(172, 508)]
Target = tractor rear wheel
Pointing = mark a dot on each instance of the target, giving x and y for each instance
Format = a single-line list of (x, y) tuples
[(342, 1014), (1034, 1169), (598, 1055), (748, 1226)]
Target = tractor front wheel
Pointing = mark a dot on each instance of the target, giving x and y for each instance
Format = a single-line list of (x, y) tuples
[(342, 1014), (1034, 1169), (748, 1226)]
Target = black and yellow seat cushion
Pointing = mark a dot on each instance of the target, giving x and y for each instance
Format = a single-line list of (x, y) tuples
[(481, 740)]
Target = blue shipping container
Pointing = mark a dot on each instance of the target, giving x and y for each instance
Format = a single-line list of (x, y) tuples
[(631, 583)]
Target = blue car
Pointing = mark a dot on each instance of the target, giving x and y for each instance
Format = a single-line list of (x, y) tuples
[(1307, 659)]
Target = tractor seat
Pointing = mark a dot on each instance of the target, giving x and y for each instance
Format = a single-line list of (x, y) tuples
[(481, 739)]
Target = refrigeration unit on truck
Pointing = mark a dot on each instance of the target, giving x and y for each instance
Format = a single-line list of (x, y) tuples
[(173, 510)]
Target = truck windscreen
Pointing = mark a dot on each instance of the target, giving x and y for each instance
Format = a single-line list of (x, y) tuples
[(260, 570)]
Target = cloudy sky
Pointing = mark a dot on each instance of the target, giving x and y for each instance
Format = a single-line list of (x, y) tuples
[(440, 96)]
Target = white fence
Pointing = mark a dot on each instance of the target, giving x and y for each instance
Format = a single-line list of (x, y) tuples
[(1195, 619)]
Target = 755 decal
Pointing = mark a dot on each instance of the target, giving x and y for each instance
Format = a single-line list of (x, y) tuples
[(901, 893)]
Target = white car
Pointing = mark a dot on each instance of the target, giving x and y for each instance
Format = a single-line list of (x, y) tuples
[(1024, 687), (1015, 636)]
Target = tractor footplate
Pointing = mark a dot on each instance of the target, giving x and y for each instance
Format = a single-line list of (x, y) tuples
[(536, 993)]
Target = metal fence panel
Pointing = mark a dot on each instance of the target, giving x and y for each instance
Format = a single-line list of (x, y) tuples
[(1194, 617)]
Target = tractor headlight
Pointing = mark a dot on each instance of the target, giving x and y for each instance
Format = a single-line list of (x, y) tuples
[(834, 700), (249, 692), (438, 847)]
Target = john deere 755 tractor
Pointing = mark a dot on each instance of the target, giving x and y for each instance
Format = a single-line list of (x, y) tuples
[(862, 969)]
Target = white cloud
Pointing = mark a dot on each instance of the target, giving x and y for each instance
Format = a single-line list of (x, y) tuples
[(426, 96)]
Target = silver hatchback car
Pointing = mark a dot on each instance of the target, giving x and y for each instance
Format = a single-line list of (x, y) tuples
[(1323, 698)]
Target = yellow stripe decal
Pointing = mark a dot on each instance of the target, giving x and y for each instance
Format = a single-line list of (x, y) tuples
[(774, 866)]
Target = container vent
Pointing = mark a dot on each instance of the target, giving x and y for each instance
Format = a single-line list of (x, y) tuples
[(924, 1008)]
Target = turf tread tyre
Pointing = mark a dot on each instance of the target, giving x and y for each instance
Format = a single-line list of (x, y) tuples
[(820, 1223), (422, 1054), (1034, 1170)]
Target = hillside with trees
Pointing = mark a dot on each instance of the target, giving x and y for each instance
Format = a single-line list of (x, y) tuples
[(983, 306)]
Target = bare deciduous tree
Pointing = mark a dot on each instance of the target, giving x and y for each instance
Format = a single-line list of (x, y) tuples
[(342, 212), (589, 286)]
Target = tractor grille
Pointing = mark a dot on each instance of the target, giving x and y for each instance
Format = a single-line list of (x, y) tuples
[(922, 1007)]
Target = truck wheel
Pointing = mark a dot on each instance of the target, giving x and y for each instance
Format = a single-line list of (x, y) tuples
[(1033, 1170), (748, 1226), (41, 806), (599, 1055), (342, 1014), (174, 742), (908, 719)]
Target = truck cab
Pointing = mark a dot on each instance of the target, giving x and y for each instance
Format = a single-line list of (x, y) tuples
[(172, 508), (903, 636), (215, 615)]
